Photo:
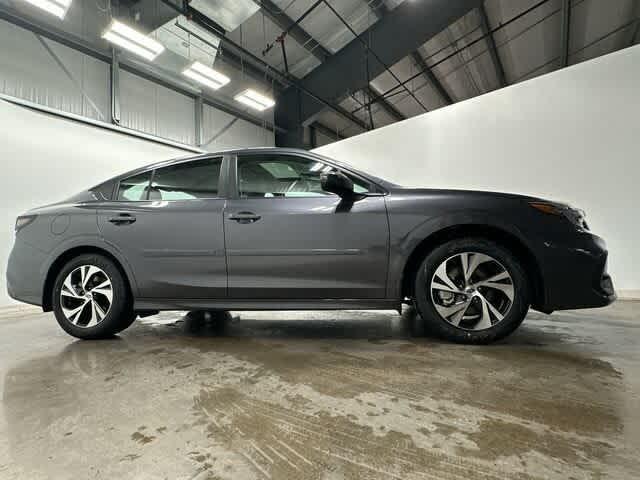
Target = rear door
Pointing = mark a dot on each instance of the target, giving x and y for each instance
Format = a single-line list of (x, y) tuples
[(168, 224), (286, 238)]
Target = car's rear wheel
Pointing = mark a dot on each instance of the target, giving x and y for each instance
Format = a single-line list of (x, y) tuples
[(90, 298), (472, 291)]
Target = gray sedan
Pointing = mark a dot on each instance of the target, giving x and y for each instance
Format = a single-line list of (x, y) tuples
[(284, 229)]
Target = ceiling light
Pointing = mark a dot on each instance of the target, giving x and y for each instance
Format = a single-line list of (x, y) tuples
[(206, 76), (255, 100), (55, 7), (130, 39)]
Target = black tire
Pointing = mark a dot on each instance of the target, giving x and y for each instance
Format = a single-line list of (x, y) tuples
[(444, 329), (126, 321), (119, 314)]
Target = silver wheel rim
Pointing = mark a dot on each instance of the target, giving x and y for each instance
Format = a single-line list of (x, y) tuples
[(472, 291), (86, 296)]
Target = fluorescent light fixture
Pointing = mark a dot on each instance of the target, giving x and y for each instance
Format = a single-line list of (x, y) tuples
[(254, 99), (206, 76), (130, 39), (55, 7)]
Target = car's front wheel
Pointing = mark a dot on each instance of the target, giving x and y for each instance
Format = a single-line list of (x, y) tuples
[(472, 291), (90, 298)]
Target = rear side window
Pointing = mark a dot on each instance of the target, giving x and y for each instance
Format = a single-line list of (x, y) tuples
[(135, 187), (187, 181), (184, 181), (104, 191)]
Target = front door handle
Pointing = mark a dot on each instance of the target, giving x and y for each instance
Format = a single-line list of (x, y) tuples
[(244, 217), (123, 219)]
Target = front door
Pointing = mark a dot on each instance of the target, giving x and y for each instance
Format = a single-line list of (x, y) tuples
[(288, 239), (168, 224)]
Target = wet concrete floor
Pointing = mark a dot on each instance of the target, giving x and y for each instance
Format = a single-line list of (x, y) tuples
[(326, 395)]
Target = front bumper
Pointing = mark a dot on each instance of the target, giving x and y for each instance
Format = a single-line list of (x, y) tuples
[(24, 277), (575, 274)]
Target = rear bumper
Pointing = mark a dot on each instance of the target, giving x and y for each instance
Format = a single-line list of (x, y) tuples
[(575, 275), (24, 277)]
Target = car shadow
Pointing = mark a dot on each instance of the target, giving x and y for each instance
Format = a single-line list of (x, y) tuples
[(340, 325), (368, 325)]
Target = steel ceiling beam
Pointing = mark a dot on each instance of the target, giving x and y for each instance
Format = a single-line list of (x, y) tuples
[(400, 32), (565, 22), (380, 10), (305, 40), (493, 50)]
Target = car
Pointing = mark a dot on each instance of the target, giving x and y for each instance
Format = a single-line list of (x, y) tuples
[(287, 229)]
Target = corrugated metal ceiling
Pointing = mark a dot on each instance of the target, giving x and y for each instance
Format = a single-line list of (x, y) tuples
[(527, 47)]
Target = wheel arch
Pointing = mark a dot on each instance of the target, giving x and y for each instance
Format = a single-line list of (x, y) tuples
[(502, 237), (65, 257)]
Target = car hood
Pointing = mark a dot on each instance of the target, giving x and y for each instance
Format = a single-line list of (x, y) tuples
[(427, 192)]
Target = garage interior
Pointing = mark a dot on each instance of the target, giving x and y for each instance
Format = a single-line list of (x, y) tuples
[(533, 97)]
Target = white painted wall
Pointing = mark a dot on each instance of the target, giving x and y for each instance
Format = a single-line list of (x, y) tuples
[(44, 159), (571, 135)]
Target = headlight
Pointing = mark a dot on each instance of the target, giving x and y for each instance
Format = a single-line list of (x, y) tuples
[(23, 221), (575, 216)]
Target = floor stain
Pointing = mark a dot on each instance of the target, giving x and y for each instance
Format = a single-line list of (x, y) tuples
[(142, 438)]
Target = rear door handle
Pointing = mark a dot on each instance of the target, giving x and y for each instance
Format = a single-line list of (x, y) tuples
[(123, 219), (244, 217)]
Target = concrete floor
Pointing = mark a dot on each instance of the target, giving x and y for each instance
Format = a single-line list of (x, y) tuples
[(321, 395)]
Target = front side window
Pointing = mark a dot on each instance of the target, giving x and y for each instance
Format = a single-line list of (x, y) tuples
[(187, 181), (268, 176)]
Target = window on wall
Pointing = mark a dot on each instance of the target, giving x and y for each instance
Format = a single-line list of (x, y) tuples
[(187, 181), (268, 176), (134, 188)]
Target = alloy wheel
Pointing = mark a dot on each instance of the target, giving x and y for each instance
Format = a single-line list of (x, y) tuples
[(86, 296), (472, 291)]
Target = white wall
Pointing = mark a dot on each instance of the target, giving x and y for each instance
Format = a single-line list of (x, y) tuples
[(44, 159), (571, 135)]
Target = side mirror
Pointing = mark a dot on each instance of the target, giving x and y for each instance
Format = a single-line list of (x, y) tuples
[(338, 183)]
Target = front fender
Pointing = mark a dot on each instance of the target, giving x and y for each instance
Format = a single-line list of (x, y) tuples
[(406, 237)]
